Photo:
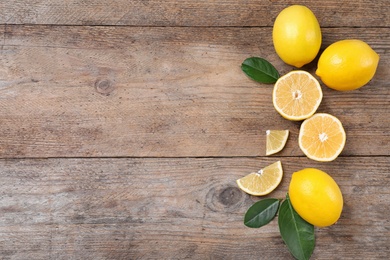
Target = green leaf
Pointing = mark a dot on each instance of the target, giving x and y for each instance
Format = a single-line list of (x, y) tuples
[(260, 70), (261, 213), (296, 232)]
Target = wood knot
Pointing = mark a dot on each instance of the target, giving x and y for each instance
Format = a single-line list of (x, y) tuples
[(104, 86), (230, 196), (224, 199)]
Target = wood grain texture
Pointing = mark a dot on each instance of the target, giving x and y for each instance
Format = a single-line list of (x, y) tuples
[(330, 13), (185, 208), (125, 124), (164, 92)]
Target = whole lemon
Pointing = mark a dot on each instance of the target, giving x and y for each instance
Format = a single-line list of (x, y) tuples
[(296, 35), (347, 65), (316, 197)]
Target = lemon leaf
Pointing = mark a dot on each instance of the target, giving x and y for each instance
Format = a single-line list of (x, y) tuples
[(295, 231), (260, 70), (261, 213)]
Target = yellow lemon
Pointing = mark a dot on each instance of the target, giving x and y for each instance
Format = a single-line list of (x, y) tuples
[(296, 35), (347, 65), (316, 197)]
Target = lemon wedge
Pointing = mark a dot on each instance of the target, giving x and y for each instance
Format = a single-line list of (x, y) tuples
[(262, 182), (276, 140)]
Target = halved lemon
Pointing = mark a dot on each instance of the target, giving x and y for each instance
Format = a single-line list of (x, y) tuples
[(276, 140), (262, 182), (297, 95), (322, 137)]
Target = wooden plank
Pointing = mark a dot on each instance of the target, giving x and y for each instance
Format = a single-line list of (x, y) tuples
[(359, 13), (175, 209), (129, 91)]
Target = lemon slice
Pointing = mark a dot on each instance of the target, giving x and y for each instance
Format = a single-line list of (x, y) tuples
[(322, 137), (276, 140), (262, 182), (297, 95)]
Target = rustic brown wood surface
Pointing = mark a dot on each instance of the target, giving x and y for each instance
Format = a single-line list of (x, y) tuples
[(126, 123)]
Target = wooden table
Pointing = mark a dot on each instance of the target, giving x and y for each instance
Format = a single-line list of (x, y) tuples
[(124, 125)]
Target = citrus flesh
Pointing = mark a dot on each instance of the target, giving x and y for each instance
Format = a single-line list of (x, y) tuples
[(316, 197), (296, 35), (322, 137), (347, 65), (297, 95), (262, 182), (276, 140)]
